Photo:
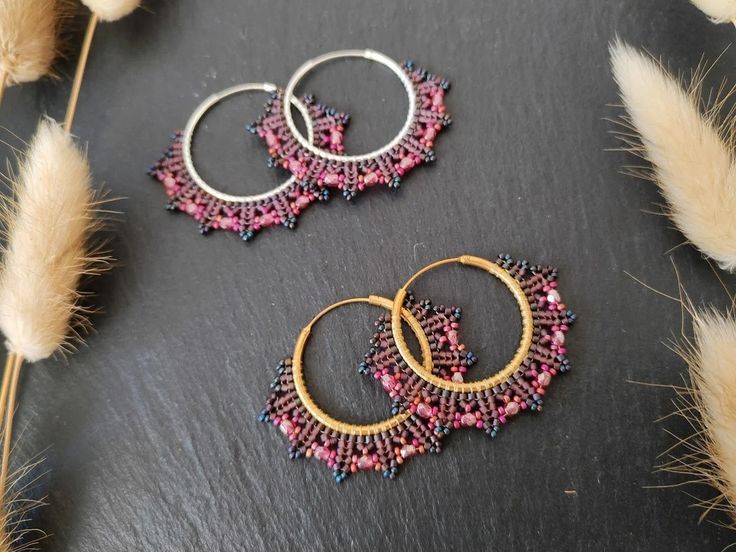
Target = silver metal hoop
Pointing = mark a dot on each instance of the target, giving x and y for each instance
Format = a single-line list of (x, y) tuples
[(370, 55), (203, 108)]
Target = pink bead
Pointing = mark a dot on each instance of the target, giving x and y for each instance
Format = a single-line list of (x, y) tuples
[(294, 166), (331, 179), (286, 427), (370, 179), (408, 451), (424, 410), (322, 453), (468, 419), (512, 409), (365, 463), (302, 202), (544, 379), (271, 139)]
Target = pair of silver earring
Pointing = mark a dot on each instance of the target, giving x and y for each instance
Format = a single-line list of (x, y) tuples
[(318, 163)]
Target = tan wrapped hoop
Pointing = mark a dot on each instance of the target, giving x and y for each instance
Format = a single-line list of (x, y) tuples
[(301, 387), (527, 324)]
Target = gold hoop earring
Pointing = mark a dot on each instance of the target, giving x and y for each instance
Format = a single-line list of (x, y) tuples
[(520, 385), (345, 447)]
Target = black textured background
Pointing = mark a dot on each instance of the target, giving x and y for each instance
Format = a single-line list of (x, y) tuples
[(150, 433)]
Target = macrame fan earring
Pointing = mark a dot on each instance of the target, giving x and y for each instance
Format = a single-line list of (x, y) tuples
[(244, 214), (490, 403), (313, 163), (348, 448)]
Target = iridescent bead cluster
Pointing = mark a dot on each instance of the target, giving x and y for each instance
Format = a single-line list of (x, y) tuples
[(432, 412)]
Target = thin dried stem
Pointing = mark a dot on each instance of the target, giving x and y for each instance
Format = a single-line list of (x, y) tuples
[(10, 413), (79, 75), (9, 363), (3, 84)]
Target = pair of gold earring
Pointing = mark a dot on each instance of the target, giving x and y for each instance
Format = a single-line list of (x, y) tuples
[(428, 402)]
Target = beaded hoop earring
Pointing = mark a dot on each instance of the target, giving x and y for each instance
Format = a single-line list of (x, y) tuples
[(347, 448), (487, 404), (245, 214), (353, 173)]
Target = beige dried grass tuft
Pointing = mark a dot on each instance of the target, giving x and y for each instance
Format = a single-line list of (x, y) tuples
[(111, 10), (690, 152), (29, 31), (719, 11), (707, 402), (50, 223)]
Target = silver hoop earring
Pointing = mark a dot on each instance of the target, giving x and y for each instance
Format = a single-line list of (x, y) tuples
[(188, 192), (313, 164)]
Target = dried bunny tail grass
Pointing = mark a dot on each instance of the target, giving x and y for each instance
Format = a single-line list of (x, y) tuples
[(29, 32), (50, 224), (719, 11), (690, 152), (707, 402), (111, 10)]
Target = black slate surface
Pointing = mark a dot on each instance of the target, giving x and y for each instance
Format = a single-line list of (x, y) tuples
[(150, 433)]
